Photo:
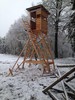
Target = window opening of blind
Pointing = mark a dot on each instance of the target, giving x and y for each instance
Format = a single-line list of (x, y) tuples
[(33, 20), (38, 16)]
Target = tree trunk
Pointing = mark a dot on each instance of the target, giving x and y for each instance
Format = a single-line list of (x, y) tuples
[(58, 8), (56, 30), (56, 39)]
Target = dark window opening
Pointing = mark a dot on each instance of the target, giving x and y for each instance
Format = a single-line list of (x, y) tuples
[(33, 20), (38, 16), (33, 25)]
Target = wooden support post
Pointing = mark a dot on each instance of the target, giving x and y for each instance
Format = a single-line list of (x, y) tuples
[(46, 65), (32, 53), (20, 55), (26, 55), (63, 86), (10, 72), (48, 49), (34, 45)]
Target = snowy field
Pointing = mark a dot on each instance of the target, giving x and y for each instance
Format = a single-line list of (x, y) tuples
[(28, 83)]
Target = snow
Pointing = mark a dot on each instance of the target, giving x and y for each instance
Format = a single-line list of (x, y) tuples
[(25, 84)]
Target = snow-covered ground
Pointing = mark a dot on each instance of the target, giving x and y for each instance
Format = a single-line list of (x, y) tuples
[(25, 84)]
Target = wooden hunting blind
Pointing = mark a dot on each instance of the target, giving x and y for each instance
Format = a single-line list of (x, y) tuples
[(37, 49), (38, 19)]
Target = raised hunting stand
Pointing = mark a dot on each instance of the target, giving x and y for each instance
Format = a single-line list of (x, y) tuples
[(38, 19), (37, 49)]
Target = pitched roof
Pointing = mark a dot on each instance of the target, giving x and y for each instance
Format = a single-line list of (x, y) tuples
[(36, 7)]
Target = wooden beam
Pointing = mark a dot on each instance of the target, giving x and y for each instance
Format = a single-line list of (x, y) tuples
[(61, 91), (38, 61), (10, 72), (59, 79), (63, 86), (70, 87), (71, 78), (52, 95), (26, 54), (20, 55), (65, 65)]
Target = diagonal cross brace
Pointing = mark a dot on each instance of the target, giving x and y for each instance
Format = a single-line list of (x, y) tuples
[(59, 79)]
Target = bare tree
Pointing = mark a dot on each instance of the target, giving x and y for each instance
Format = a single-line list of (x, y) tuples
[(59, 16), (71, 28), (16, 37)]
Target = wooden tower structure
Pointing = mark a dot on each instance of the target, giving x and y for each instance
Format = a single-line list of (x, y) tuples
[(38, 19), (37, 49)]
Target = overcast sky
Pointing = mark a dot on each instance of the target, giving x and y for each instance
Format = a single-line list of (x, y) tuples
[(10, 11)]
